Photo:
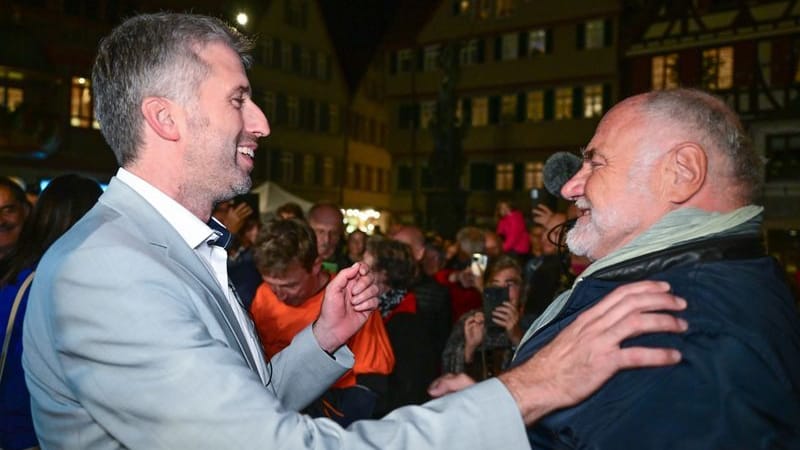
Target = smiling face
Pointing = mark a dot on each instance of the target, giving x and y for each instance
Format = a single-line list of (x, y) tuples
[(615, 189), (223, 128), (12, 216)]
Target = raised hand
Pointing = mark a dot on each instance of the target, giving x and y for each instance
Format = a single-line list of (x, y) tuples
[(350, 298), (507, 316), (587, 353), (474, 332)]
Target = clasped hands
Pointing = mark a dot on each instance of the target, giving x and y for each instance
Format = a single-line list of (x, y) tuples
[(350, 298)]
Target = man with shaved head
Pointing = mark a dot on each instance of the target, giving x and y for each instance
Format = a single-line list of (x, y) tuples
[(666, 192)]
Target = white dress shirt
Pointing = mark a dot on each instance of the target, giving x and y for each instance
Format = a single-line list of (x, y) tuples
[(197, 235)]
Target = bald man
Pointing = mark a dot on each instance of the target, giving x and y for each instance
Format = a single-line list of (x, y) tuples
[(666, 192)]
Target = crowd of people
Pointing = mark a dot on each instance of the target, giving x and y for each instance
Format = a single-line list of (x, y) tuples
[(165, 313)]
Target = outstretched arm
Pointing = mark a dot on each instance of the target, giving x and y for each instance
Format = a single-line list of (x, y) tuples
[(587, 353)]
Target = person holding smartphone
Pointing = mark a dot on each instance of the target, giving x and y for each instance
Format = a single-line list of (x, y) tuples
[(482, 341)]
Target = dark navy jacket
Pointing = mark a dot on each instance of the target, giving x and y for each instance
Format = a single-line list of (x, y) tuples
[(738, 384)]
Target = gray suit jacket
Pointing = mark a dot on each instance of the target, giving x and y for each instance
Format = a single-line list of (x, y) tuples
[(129, 342)]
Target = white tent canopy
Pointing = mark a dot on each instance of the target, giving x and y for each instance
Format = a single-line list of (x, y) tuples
[(271, 196)]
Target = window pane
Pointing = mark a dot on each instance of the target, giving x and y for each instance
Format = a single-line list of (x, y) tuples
[(593, 101), (535, 106), (508, 108), (533, 175), (510, 46), (504, 177), (81, 103), (595, 31), (480, 111), (563, 103), (537, 42)]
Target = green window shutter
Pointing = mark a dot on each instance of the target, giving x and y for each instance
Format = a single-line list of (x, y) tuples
[(549, 104), (521, 107), (608, 33), (577, 102), (494, 109)]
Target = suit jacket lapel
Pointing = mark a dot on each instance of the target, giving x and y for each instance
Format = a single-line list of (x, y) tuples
[(160, 233)]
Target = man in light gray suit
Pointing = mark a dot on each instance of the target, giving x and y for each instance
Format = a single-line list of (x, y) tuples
[(134, 339)]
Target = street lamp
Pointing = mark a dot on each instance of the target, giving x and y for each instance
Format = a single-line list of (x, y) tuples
[(241, 19)]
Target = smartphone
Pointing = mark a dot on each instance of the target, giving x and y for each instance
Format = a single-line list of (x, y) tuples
[(493, 296), (478, 265)]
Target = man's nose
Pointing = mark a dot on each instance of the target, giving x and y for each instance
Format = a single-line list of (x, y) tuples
[(256, 122), (573, 188)]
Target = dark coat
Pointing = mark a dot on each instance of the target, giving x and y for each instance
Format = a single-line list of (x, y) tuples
[(738, 384)]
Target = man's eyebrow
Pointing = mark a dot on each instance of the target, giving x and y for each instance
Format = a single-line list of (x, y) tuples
[(242, 90)]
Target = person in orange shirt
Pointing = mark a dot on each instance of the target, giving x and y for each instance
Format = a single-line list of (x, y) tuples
[(290, 299)]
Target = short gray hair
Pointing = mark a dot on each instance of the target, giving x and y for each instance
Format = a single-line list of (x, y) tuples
[(716, 127), (152, 55)]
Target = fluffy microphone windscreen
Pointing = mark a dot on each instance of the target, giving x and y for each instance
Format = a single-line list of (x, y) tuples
[(558, 169)]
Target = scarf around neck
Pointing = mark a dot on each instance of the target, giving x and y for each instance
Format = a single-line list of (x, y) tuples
[(677, 227)]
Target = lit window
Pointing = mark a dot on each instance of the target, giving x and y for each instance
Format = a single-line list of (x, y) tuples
[(427, 111), (11, 98), (718, 68), (534, 177), (563, 103), (327, 171), (293, 111), (480, 111), (504, 179), (405, 60), (309, 168), (595, 34), (504, 8), (593, 101), (463, 7), (508, 108), (484, 9), (81, 114), (665, 71), (468, 54), (535, 106), (431, 61), (537, 42), (510, 46)]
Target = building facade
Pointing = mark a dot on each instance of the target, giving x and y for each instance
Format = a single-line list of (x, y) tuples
[(748, 53), (533, 78)]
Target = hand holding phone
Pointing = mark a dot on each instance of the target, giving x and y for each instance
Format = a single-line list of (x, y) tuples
[(493, 296)]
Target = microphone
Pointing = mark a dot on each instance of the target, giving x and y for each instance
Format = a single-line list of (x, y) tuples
[(558, 169)]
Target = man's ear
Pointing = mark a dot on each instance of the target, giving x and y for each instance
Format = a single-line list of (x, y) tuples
[(686, 172), (160, 116)]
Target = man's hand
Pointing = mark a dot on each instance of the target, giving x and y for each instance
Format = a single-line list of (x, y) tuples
[(234, 217), (350, 298), (587, 353), (474, 332), (449, 382)]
